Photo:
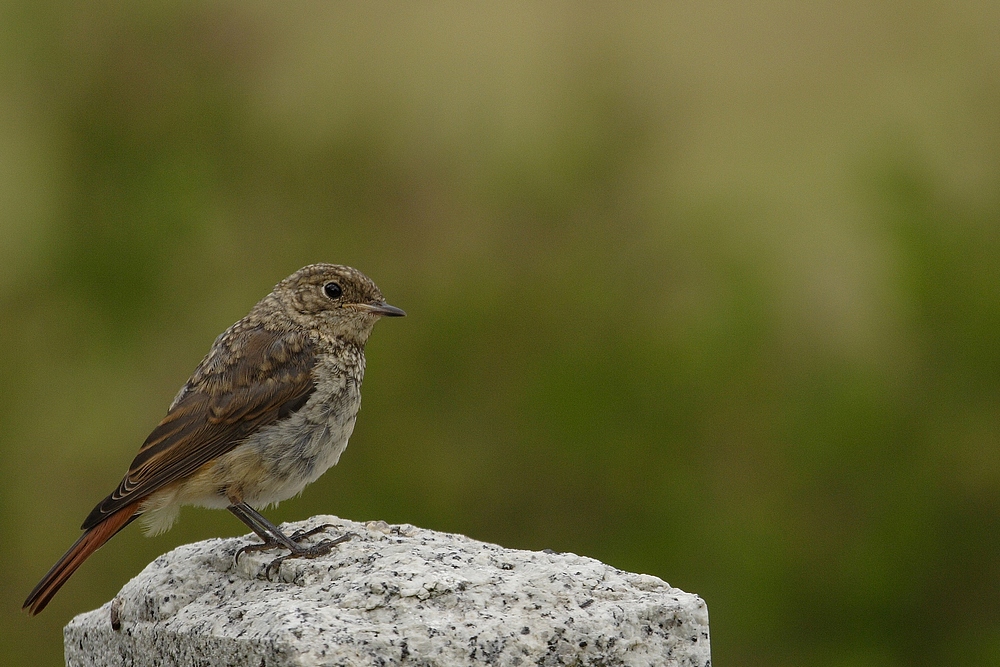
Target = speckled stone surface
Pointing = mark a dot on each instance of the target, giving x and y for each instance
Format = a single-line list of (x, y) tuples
[(392, 595)]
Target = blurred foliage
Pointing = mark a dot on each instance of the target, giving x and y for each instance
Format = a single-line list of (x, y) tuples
[(706, 291)]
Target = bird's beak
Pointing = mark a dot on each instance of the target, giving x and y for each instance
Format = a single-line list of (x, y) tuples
[(380, 309)]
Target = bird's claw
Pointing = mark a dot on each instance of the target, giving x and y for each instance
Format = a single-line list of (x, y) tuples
[(301, 534), (321, 549)]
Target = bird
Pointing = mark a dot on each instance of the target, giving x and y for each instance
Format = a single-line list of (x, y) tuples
[(267, 411)]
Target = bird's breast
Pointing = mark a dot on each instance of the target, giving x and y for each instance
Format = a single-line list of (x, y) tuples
[(279, 461)]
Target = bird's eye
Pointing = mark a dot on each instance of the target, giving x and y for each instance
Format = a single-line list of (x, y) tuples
[(332, 290)]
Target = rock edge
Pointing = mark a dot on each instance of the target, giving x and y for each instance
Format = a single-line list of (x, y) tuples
[(392, 595)]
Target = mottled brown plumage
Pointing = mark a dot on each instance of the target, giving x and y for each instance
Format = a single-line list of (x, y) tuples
[(266, 412)]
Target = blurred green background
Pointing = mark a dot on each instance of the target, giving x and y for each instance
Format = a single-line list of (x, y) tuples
[(704, 290)]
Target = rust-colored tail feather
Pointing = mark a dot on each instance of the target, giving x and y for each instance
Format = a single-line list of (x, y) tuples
[(89, 542)]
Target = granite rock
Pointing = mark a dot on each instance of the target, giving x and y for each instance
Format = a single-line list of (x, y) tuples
[(392, 595)]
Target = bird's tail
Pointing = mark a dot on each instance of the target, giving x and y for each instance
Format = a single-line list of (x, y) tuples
[(89, 542)]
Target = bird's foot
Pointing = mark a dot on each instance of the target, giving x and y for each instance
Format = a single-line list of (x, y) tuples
[(295, 549), (302, 534), (321, 549)]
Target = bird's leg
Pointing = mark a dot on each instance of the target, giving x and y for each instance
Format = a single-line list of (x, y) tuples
[(265, 530), (273, 538)]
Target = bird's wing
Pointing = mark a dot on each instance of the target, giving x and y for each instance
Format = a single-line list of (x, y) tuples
[(251, 379)]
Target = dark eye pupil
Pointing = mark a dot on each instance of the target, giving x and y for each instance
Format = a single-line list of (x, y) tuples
[(332, 290)]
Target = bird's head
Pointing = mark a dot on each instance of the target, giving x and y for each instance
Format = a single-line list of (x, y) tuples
[(338, 301)]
